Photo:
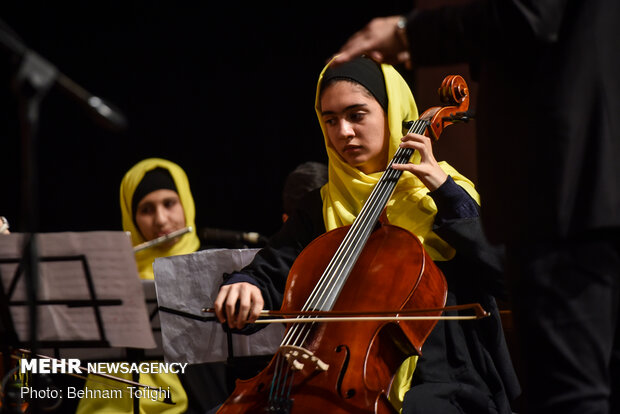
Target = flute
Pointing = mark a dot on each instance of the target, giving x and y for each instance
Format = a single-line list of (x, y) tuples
[(162, 239)]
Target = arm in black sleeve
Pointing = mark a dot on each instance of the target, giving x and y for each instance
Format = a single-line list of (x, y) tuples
[(479, 263), (270, 267), (453, 202)]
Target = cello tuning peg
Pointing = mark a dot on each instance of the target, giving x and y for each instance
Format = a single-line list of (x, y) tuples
[(460, 116)]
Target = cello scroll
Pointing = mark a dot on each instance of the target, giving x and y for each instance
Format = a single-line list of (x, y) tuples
[(454, 94)]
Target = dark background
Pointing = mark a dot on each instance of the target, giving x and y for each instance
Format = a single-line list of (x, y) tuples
[(225, 91)]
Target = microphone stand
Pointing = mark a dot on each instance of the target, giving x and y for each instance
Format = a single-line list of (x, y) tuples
[(33, 80)]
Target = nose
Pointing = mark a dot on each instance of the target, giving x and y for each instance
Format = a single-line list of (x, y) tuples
[(160, 216), (345, 130)]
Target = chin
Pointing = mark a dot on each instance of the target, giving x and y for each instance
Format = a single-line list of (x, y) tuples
[(359, 165), (355, 162)]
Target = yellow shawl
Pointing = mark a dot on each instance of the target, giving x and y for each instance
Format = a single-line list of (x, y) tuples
[(188, 243), (410, 206)]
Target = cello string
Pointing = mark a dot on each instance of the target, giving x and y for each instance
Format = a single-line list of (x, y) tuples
[(283, 391), (376, 202), (343, 264), (275, 382), (290, 388), (355, 239), (337, 266), (333, 275), (360, 230), (333, 267), (385, 187), (363, 224)]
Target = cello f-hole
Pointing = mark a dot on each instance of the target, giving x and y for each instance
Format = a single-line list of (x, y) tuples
[(351, 392)]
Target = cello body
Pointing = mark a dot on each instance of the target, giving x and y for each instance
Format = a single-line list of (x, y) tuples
[(392, 272)]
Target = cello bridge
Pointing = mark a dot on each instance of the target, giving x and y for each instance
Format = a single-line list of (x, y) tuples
[(297, 357)]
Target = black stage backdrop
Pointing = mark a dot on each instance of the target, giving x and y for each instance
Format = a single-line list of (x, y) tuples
[(226, 91)]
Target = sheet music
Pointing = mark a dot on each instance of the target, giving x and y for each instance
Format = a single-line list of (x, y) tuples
[(114, 273), (189, 283)]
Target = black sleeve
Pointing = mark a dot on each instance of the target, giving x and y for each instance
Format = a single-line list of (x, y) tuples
[(481, 29), (453, 202), (477, 265), (270, 267)]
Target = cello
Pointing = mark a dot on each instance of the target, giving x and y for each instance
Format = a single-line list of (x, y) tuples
[(347, 367)]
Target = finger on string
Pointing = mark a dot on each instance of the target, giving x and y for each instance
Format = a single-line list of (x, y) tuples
[(416, 145), (415, 137), (412, 168)]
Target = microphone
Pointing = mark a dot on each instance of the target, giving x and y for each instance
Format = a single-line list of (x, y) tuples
[(231, 237), (41, 72), (103, 112)]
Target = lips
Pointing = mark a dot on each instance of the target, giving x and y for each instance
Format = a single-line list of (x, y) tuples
[(351, 148)]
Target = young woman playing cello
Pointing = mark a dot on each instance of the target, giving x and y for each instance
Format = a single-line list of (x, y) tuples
[(465, 367)]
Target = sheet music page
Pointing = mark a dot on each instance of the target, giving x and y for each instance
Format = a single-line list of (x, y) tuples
[(112, 266), (189, 283)]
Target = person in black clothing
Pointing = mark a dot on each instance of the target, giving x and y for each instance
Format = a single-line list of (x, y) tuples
[(548, 150), (361, 106), (304, 178)]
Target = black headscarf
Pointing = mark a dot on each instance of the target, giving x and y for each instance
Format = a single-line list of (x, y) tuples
[(364, 71)]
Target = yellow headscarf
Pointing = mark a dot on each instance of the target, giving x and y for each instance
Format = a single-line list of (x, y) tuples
[(410, 206), (188, 243)]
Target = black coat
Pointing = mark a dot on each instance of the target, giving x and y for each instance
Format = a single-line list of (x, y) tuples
[(547, 108)]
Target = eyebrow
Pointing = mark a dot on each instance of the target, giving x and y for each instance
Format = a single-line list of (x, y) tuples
[(348, 108), (163, 200)]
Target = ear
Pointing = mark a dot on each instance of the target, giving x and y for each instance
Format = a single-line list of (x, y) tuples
[(284, 217)]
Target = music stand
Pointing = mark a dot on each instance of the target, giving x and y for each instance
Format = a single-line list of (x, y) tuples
[(88, 287)]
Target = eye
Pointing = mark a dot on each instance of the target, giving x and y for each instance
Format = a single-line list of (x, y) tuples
[(145, 209), (330, 121), (357, 116), (170, 202)]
